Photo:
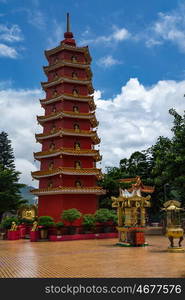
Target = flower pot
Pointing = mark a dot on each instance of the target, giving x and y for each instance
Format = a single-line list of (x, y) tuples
[(44, 233), (71, 230)]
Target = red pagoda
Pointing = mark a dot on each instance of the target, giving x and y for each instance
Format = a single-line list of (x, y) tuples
[(68, 174)]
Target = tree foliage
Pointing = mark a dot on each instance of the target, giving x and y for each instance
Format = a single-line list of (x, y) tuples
[(162, 165), (10, 197)]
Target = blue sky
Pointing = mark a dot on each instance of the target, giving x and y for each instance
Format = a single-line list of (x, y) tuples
[(138, 52), (40, 25)]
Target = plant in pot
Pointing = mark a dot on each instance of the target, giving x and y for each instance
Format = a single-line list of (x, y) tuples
[(71, 215), (103, 216), (88, 222), (59, 226), (44, 223), (7, 222)]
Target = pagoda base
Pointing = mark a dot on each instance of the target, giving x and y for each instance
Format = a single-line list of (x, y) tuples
[(54, 205)]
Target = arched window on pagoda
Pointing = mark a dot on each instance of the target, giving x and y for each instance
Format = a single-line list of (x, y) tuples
[(51, 165), (75, 92), (75, 109), (55, 93), (50, 184), (55, 75), (76, 127), (55, 59), (78, 184), (54, 109), (74, 59), (77, 146), (74, 75), (52, 146), (53, 128), (78, 164)]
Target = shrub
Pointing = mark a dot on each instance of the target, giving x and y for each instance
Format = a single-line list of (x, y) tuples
[(45, 221), (27, 221), (7, 222), (59, 224), (88, 221), (71, 215), (104, 215)]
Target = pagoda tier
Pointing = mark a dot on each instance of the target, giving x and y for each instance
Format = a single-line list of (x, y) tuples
[(68, 114), (68, 190), (68, 174), (60, 152), (66, 171), (68, 132), (69, 97)]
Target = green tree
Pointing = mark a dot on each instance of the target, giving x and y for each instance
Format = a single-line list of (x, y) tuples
[(10, 197), (6, 152)]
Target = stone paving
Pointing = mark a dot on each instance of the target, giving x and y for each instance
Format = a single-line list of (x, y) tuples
[(89, 258)]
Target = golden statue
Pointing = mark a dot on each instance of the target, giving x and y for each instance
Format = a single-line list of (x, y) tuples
[(75, 109), (76, 127), (78, 184), (77, 165), (13, 226), (51, 147), (77, 146), (35, 225), (75, 92), (51, 165)]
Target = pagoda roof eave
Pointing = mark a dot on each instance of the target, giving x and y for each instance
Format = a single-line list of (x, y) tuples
[(67, 114), (62, 132), (63, 46), (45, 85), (66, 151), (69, 190), (67, 63), (67, 97), (66, 171)]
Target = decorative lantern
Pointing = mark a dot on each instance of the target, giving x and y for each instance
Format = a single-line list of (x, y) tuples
[(174, 228)]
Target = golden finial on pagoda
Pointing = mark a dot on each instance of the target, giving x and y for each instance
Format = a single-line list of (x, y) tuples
[(68, 23)]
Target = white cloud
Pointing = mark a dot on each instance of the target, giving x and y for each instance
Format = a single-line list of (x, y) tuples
[(7, 51), (169, 27), (108, 61), (10, 34), (131, 121), (118, 35), (19, 109)]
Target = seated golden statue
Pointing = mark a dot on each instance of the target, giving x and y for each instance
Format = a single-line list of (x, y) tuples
[(75, 109), (35, 225), (51, 165), (13, 226), (77, 165), (74, 75), (75, 93), (52, 147), (73, 59), (55, 93), (78, 184), (76, 127), (77, 146)]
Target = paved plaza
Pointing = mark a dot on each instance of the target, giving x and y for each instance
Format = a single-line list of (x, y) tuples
[(89, 258)]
